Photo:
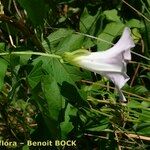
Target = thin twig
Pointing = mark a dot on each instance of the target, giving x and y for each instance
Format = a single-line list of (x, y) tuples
[(132, 135), (24, 29), (96, 38), (10, 37), (105, 101), (129, 135), (139, 13), (17, 10), (135, 73), (102, 85), (143, 47), (142, 64), (140, 55), (97, 136), (117, 138), (140, 137)]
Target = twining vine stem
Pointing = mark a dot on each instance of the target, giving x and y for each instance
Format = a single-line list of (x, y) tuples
[(31, 53)]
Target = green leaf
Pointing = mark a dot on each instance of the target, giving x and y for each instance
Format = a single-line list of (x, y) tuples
[(14, 60), (66, 125), (111, 31), (87, 22), (24, 59), (36, 10), (145, 116), (90, 25), (52, 95), (88, 43), (112, 15), (70, 43), (48, 126), (143, 128), (98, 128), (35, 75), (52, 41), (141, 90), (2, 47), (25, 147), (3, 68), (74, 72), (145, 104), (134, 104), (134, 23)]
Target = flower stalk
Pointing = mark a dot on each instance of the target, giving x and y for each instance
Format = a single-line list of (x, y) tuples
[(31, 53)]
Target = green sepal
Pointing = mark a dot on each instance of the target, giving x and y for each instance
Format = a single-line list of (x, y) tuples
[(71, 57)]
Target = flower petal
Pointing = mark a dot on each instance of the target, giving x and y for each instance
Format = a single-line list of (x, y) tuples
[(112, 62), (123, 45)]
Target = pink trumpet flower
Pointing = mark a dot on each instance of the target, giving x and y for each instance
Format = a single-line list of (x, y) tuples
[(110, 63)]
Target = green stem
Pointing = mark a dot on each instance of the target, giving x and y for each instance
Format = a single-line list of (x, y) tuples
[(31, 53)]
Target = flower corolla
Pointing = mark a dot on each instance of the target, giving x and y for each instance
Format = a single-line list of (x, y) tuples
[(110, 63)]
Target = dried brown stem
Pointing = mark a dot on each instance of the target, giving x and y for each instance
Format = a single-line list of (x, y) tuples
[(24, 29), (135, 73), (102, 85), (140, 137)]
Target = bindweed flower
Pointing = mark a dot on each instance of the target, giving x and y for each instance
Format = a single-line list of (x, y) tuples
[(110, 63)]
